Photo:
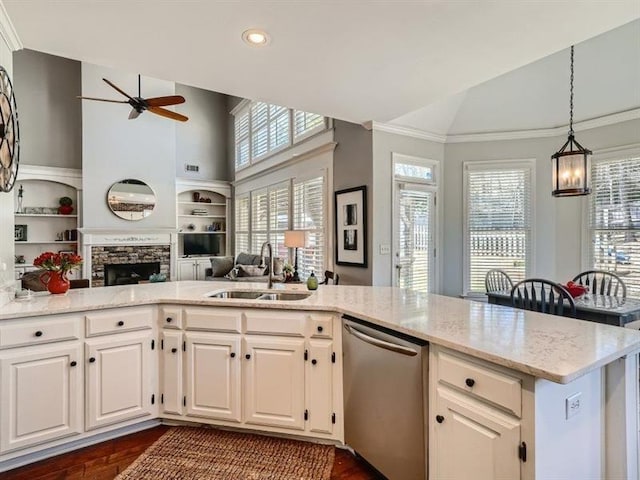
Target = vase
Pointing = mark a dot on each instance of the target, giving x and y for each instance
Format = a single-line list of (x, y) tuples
[(56, 282), (65, 209)]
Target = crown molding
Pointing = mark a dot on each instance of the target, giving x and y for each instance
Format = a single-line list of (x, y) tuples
[(8, 31), (633, 114)]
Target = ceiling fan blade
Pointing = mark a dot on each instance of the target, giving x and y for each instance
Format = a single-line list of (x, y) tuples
[(163, 112), (117, 89), (102, 99), (164, 101), (134, 114)]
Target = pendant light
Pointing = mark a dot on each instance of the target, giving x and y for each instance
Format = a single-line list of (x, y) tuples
[(571, 165)]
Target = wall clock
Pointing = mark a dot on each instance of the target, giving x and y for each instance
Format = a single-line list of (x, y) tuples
[(9, 134)]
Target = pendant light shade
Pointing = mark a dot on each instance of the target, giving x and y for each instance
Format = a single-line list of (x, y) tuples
[(571, 165)]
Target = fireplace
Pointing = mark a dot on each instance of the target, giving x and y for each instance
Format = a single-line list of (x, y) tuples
[(129, 273)]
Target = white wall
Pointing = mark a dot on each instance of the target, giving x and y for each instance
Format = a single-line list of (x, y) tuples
[(115, 148), (381, 201), (558, 225), (6, 210)]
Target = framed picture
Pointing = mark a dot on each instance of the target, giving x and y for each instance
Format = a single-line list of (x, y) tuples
[(20, 233), (351, 227)]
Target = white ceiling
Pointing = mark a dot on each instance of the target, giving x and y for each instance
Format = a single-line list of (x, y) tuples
[(355, 60), (536, 96)]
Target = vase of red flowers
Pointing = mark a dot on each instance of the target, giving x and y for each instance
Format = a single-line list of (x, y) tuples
[(56, 266)]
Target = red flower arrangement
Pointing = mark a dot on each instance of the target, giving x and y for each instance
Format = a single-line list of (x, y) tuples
[(58, 262)]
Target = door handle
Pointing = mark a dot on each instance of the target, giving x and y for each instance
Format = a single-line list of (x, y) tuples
[(380, 343)]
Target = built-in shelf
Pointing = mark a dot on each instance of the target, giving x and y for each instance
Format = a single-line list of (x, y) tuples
[(203, 216), (44, 215), (204, 204), (51, 242)]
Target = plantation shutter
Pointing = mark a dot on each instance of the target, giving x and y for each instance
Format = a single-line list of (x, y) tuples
[(242, 139), (279, 219), (309, 213), (242, 224), (306, 122), (614, 219), (259, 219), (259, 129), (498, 222)]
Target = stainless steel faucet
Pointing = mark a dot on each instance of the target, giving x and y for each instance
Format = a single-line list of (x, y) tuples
[(270, 250)]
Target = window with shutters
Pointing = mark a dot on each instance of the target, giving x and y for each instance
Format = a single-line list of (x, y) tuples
[(262, 129), (614, 219), (498, 221), (309, 213), (242, 224)]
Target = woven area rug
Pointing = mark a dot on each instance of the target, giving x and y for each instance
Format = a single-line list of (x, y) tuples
[(188, 453)]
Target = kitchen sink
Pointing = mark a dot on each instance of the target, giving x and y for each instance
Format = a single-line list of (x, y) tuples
[(253, 295)]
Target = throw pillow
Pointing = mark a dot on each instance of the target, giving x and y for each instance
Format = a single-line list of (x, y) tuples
[(250, 271), (232, 275), (220, 266), (247, 259), (278, 266)]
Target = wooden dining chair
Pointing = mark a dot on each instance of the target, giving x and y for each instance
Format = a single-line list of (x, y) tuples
[(329, 275), (497, 280), (543, 296), (602, 282)]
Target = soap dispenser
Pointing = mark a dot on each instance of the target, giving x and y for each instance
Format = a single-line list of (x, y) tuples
[(312, 282)]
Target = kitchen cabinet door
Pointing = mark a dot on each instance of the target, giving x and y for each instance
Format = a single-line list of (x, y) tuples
[(213, 375), (186, 269), (171, 371), (201, 268), (319, 386), (41, 395), (119, 378), (472, 440), (273, 369)]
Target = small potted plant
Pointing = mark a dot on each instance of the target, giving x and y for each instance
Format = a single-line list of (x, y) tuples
[(287, 271), (65, 207), (56, 266)]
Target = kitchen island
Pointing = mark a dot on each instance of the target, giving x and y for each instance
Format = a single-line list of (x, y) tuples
[(551, 359)]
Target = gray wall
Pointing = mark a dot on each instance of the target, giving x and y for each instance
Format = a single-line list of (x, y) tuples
[(203, 139), (353, 167), (558, 227), (384, 144), (46, 87)]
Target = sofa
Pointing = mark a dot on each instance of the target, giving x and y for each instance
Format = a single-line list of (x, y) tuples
[(246, 267)]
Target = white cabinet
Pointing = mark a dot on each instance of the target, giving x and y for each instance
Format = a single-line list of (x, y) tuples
[(274, 369), (171, 371), (41, 394), (319, 386), (213, 375), (193, 268), (118, 378)]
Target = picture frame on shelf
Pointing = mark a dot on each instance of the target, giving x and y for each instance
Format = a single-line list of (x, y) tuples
[(20, 233), (351, 226)]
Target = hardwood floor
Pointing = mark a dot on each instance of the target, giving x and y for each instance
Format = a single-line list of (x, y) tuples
[(105, 460)]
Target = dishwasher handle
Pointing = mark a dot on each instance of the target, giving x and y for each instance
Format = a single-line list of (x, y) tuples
[(380, 343)]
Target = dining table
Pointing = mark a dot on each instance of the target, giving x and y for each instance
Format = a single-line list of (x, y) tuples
[(610, 310)]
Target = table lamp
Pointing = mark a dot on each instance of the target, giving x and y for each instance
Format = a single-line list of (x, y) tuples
[(295, 239)]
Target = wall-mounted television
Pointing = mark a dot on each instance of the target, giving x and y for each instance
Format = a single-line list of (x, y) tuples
[(201, 244)]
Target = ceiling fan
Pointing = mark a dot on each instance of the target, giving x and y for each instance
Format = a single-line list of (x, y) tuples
[(139, 104)]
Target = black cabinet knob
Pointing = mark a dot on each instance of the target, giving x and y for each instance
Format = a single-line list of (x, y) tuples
[(74, 363), (232, 354), (120, 323), (38, 333), (169, 319), (92, 359), (247, 356), (314, 361), (320, 328), (174, 350), (439, 418), (470, 382)]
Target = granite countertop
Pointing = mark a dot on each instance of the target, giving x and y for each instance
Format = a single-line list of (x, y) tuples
[(555, 348)]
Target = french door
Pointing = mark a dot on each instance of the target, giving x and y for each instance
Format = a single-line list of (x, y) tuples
[(414, 236)]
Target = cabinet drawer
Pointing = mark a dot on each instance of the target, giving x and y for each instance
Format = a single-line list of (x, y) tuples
[(15, 333), (483, 382), (118, 320), (275, 322), (319, 325), (171, 317), (213, 319)]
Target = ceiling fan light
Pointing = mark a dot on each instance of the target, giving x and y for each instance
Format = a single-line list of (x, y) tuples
[(256, 37)]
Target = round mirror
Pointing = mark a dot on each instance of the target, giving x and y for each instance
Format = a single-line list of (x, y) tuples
[(131, 199)]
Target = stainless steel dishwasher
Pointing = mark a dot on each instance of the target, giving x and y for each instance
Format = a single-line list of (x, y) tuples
[(385, 385)]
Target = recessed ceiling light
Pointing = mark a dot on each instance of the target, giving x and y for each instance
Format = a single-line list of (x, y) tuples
[(256, 37)]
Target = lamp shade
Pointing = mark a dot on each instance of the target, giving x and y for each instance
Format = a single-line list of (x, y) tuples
[(295, 238)]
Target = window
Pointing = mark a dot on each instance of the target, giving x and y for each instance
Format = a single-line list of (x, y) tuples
[(498, 221), (262, 129), (415, 172), (242, 224), (614, 219), (309, 214)]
